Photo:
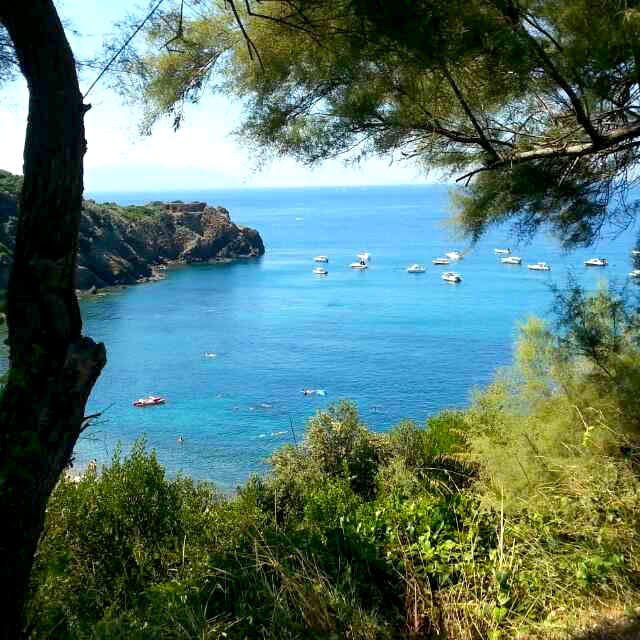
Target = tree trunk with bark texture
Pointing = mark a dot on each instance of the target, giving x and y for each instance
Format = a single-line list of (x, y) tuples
[(52, 367)]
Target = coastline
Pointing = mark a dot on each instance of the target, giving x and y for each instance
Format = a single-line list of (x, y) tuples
[(133, 244), (158, 274)]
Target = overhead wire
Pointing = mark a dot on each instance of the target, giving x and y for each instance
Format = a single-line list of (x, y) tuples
[(123, 47)]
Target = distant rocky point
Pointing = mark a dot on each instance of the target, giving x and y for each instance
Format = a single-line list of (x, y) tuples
[(124, 245)]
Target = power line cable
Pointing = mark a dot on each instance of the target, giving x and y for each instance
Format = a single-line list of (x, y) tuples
[(122, 48)]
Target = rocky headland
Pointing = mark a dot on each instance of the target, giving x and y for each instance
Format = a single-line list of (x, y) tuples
[(124, 245)]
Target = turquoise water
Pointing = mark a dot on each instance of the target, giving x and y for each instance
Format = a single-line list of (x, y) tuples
[(400, 345)]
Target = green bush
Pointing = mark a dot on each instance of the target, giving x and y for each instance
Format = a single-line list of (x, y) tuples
[(434, 454), (340, 446), (512, 517)]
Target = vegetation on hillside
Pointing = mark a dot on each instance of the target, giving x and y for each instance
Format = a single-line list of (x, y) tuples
[(518, 517), (133, 212), (10, 183)]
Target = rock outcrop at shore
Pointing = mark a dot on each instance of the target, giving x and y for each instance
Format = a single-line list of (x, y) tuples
[(124, 245)]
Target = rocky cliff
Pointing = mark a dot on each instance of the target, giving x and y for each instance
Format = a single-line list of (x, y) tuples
[(124, 245)]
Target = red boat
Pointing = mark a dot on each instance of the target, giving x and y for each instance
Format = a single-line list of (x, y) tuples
[(149, 401)]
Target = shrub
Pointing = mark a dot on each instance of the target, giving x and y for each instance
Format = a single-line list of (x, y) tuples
[(340, 446), (434, 454), (508, 518), (110, 536)]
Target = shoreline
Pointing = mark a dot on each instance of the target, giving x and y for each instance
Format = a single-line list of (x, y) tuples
[(158, 273)]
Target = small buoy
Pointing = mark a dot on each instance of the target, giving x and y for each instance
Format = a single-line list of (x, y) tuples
[(180, 440)]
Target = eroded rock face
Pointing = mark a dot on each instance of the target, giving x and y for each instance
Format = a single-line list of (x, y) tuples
[(120, 246)]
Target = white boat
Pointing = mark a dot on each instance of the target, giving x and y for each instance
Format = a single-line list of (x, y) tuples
[(507, 251), (450, 276), (321, 259), (511, 260), (365, 255), (635, 273), (635, 252), (440, 261), (596, 262), (416, 268), (320, 271), (359, 265), (539, 266), (454, 255)]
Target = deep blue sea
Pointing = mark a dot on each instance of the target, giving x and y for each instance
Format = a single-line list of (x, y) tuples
[(400, 345)]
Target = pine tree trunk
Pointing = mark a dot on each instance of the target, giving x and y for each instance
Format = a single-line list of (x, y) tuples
[(52, 367)]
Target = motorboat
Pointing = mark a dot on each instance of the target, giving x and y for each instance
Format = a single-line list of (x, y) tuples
[(450, 276), (511, 260), (507, 251), (596, 262), (440, 261), (539, 266), (635, 273), (149, 401), (359, 265), (635, 252), (365, 255), (416, 268), (454, 255), (320, 271), (321, 259)]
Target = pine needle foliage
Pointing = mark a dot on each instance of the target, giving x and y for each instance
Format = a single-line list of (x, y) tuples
[(532, 105)]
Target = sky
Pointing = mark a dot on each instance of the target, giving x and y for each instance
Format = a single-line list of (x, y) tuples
[(202, 154)]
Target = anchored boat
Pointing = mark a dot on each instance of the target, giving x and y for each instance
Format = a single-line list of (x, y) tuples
[(149, 401), (539, 266), (450, 276)]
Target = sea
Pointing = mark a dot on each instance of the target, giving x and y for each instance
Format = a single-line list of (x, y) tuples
[(232, 346)]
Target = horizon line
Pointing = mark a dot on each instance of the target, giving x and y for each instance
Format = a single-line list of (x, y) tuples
[(278, 187)]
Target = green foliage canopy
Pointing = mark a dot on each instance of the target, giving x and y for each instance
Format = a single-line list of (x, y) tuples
[(8, 61), (532, 104)]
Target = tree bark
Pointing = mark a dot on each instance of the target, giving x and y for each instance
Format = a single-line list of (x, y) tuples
[(52, 367)]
